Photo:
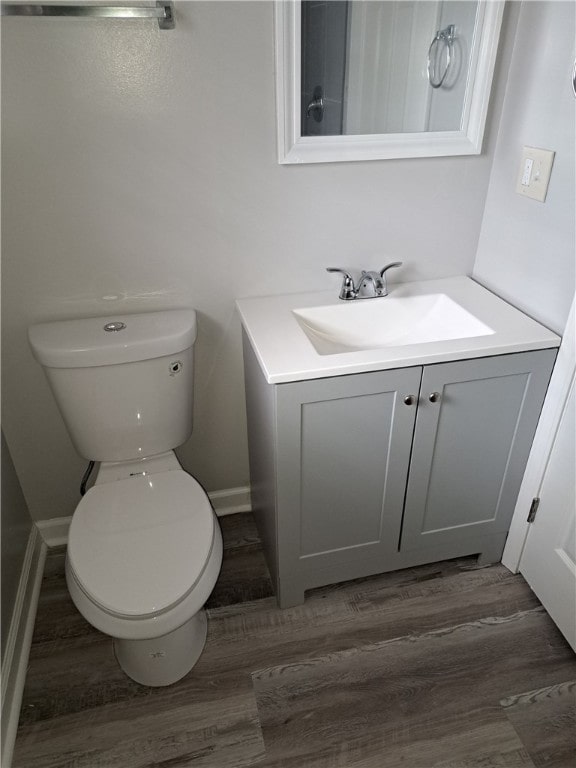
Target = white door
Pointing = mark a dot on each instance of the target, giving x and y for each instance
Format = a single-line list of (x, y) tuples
[(544, 551), (549, 559)]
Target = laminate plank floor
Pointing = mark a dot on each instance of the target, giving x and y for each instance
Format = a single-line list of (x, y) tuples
[(545, 719), (442, 666)]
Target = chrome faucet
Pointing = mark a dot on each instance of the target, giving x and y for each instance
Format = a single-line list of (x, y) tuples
[(371, 285)]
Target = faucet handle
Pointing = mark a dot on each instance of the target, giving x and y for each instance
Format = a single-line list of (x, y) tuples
[(348, 291), (347, 275), (383, 275), (389, 266)]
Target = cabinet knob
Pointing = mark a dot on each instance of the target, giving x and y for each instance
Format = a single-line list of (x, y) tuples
[(434, 397), (409, 400)]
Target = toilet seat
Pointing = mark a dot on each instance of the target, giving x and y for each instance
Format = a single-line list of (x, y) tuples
[(138, 546)]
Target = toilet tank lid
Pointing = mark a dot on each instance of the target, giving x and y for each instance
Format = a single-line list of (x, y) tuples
[(114, 339)]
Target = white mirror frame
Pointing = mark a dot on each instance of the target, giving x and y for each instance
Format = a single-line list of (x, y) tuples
[(295, 148)]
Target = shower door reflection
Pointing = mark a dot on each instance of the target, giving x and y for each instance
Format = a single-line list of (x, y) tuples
[(364, 66)]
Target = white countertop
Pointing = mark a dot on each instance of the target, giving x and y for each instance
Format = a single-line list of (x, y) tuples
[(286, 354)]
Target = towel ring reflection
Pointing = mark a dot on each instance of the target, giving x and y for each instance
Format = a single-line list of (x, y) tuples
[(447, 37)]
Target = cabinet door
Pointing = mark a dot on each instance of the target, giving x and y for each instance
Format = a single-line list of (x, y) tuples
[(471, 443), (343, 450)]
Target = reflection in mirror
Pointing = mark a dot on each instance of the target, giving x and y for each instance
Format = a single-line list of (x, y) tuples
[(384, 66), (371, 79)]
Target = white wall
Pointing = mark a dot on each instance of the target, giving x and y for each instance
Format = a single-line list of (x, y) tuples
[(142, 164), (526, 251)]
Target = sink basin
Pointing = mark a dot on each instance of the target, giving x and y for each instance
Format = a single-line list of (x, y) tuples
[(387, 322)]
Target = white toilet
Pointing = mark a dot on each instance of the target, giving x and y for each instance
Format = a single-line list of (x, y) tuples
[(144, 548)]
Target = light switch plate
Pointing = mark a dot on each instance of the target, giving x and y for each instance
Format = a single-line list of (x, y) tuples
[(534, 172)]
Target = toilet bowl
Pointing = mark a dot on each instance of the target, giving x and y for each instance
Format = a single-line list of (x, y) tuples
[(144, 546), (144, 553)]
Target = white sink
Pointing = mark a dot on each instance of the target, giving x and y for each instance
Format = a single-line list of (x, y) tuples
[(297, 337), (387, 322)]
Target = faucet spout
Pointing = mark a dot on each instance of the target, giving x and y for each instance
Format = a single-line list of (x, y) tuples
[(370, 285)]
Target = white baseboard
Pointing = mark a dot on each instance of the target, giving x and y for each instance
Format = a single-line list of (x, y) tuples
[(231, 501), (19, 641), (54, 532)]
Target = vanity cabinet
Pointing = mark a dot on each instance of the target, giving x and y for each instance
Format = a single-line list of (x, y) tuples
[(360, 474)]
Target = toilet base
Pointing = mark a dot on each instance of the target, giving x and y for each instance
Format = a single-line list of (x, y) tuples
[(166, 659)]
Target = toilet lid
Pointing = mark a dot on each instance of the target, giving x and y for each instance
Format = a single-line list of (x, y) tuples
[(138, 546)]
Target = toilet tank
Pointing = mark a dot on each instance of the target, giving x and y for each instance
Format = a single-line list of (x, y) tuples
[(123, 384)]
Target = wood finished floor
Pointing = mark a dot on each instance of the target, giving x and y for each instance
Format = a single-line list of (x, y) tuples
[(441, 666)]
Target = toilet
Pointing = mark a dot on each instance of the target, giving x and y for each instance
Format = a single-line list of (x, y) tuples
[(144, 547)]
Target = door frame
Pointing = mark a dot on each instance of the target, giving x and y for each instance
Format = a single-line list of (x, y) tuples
[(556, 398)]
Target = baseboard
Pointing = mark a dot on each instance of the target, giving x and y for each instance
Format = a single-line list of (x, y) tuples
[(54, 532), (19, 641), (231, 501)]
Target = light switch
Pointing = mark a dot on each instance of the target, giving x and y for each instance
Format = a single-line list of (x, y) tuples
[(534, 174), (528, 163)]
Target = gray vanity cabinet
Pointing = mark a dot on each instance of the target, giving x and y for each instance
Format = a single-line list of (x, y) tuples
[(361, 474)]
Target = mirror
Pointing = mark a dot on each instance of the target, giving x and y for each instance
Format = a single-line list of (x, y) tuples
[(379, 79)]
